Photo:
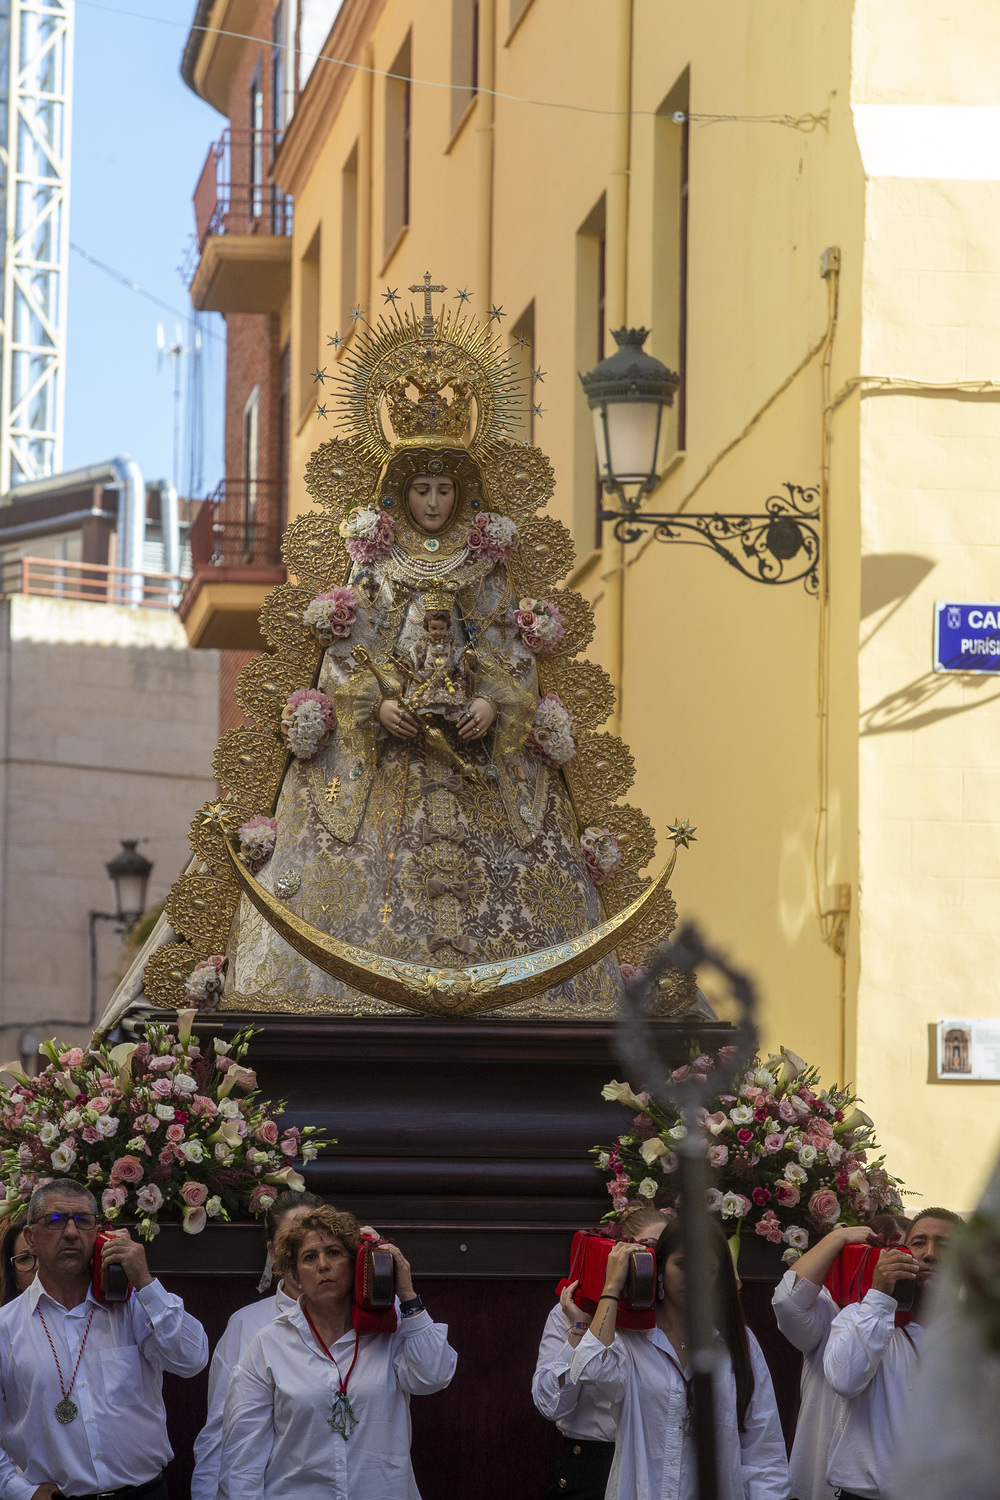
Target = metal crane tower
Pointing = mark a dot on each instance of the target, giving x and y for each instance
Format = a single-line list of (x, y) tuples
[(36, 71)]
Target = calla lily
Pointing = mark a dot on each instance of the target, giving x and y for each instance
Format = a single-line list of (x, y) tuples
[(651, 1149), (791, 1067), (621, 1093), (67, 1085), (245, 1077), (51, 1051), (857, 1121), (184, 1020), (228, 1133), (15, 1071), (288, 1178), (858, 1181), (195, 1220), (122, 1054)]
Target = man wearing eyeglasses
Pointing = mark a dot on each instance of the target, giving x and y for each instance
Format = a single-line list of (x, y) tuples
[(81, 1377)]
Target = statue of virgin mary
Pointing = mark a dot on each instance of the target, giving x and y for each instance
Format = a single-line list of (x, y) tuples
[(422, 812)]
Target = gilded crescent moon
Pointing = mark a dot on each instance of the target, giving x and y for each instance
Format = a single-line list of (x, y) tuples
[(438, 991)]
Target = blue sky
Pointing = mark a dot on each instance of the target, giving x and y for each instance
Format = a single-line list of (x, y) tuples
[(140, 138)]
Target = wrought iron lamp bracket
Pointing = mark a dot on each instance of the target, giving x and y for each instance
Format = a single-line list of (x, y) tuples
[(779, 545)]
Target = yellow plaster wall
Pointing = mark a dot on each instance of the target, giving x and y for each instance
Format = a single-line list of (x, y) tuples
[(721, 689)]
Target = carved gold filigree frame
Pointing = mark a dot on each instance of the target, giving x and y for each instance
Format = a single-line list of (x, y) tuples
[(250, 762)]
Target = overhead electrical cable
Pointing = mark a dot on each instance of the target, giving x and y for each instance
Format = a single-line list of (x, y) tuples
[(806, 122)]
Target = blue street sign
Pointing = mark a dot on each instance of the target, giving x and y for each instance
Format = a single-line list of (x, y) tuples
[(966, 637)]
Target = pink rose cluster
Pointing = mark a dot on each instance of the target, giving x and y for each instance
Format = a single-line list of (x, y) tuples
[(331, 616), (788, 1158), (308, 722), (257, 837), (166, 1127), (492, 537), (541, 624), (203, 986), (601, 853), (368, 534), (551, 739)]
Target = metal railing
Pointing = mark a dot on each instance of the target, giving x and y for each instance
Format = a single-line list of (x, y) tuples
[(94, 583), (239, 525), (234, 194)]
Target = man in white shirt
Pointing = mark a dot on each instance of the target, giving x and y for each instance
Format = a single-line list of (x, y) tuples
[(80, 1378), (871, 1363), (584, 1416), (804, 1311)]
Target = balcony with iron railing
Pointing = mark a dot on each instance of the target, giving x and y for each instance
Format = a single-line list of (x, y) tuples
[(236, 560), (241, 257), (89, 583)]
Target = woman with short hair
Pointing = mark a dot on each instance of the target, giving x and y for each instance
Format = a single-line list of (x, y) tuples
[(241, 1328), (315, 1409), (647, 1371)]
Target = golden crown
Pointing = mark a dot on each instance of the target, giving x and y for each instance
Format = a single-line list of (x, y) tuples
[(440, 596), (467, 387), (432, 420)]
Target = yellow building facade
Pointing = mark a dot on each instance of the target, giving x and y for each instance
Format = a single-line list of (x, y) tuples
[(813, 246)]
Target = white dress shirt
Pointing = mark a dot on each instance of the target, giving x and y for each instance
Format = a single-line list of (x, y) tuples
[(654, 1454), (119, 1436), (804, 1312), (579, 1411), (871, 1363), (241, 1328), (277, 1442)]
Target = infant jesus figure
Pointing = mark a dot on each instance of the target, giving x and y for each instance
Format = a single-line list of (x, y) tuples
[(439, 673)]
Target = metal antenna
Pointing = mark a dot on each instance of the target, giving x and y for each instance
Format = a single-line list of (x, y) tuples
[(36, 70), (175, 352)]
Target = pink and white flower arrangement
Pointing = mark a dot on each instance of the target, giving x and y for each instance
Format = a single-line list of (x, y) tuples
[(308, 721), (203, 986), (367, 533), (551, 739), (191, 1136), (601, 853), (787, 1159), (540, 623), (330, 616), (492, 537), (257, 839)]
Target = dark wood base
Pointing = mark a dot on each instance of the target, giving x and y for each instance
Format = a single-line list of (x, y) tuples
[(468, 1143)]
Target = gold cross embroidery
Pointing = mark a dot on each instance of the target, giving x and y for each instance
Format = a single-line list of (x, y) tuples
[(384, 911), (333, 790)]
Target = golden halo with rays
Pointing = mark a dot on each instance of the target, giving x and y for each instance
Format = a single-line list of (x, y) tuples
[(453, 364)]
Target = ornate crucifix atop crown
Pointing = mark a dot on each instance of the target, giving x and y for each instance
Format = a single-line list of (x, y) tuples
[(427, 288)]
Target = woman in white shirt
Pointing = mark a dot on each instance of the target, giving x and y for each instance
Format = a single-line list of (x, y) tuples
[(315, 1410), (240, 1329), (645, 1371)]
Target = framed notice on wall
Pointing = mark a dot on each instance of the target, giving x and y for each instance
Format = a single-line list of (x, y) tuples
[(968, 1048)]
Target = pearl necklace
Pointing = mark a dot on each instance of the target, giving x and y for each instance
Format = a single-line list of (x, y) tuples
[(400, 564)]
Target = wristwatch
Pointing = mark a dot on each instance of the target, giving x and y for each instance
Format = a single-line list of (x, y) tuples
[(414, 1305)]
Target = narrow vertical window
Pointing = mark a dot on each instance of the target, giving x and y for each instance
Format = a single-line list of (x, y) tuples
[(590, 336), (522, 352), (251, 463), (464, 57), (671, 189), (349, 238), (309, 305), (397, 147), (256, 145)]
